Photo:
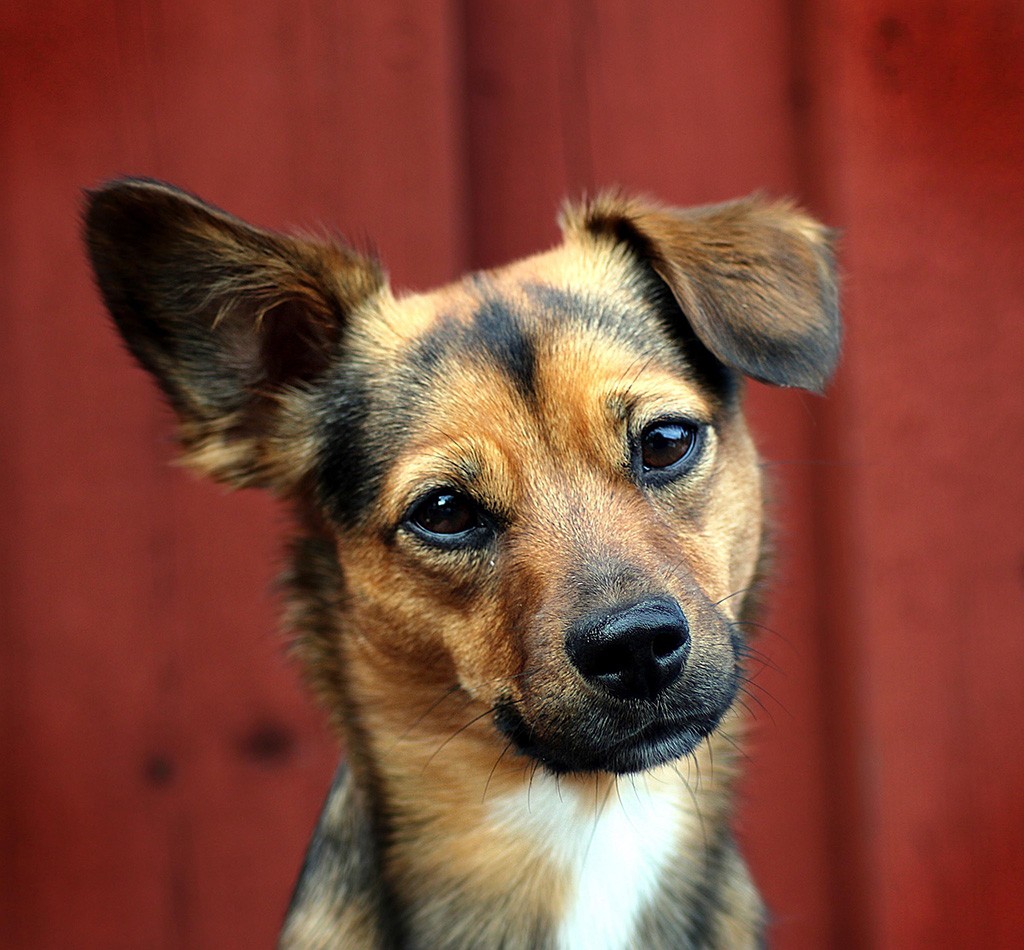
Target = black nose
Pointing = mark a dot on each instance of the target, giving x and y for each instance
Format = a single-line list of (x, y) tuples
[(631, 652)]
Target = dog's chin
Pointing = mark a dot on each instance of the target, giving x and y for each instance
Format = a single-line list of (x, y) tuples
[(617, 751)]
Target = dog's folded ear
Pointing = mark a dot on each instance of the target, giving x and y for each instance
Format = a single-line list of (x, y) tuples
[(230, 319), (755, 279)]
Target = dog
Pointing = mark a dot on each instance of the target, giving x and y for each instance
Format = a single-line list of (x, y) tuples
[(531, 528)]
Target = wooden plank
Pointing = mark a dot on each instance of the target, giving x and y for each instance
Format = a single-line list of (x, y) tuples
[(523, 157), (817, 91), (164, 768), (932, 185), (690, 103), (90, 852)]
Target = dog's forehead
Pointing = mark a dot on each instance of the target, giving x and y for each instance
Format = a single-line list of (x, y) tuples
[(514, 315), (538, 349)]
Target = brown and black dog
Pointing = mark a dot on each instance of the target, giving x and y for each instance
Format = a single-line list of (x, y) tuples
[(530, 520)]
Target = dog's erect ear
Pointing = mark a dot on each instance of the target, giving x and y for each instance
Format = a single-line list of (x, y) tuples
[(231, 320), (755, 279)]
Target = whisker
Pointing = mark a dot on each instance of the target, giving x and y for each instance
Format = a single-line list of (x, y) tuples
[(618, 794), (451, 690), (735, 593), (467, 699), (696, 810), (642, 364), (529, 788), (636, 795), (740, 751), (766, 693), (456, 733), (762, 626), (487, 784), (508, 677), (746, 707), (751, 675), (747, 652), (760, 705), (599, 812)]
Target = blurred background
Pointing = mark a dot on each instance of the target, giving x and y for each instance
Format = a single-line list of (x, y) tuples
[(160, 768)]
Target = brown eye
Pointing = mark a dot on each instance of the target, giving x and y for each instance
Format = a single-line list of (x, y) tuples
[(445, 515), (667, 444)]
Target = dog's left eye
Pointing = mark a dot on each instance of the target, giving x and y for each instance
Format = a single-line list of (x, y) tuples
[(445, 516), (668, 448)]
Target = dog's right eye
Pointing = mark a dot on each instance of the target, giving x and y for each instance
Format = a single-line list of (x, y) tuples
[(446, 517)]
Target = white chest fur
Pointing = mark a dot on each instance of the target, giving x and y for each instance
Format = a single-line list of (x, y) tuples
[(613, 850)]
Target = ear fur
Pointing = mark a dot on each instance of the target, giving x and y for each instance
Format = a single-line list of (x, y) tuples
[(755, 279), (231, 320)]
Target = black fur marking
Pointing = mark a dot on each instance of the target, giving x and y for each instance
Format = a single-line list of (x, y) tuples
[(574, 309), (366, 417), (686, 912), (498, 333), (429, 353), (352, 459), (342, 873), (615, 737), (495, 335), (600, 579), (341, 869), (705, 368), (326, 845), (212, 307), (511, 724), (710, 373), (701, 922)]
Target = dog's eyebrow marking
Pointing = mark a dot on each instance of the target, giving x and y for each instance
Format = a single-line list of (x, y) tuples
[(567, 306), (362, 429), (638, 332), (501, 335), (494, 334), (427, 353)]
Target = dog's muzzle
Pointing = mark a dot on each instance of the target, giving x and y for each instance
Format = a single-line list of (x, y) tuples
[(639, 700)]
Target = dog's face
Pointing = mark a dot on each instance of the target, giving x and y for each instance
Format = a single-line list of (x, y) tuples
[(539, 479), (557, 498)]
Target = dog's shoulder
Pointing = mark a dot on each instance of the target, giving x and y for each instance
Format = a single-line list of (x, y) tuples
[(338, 900)]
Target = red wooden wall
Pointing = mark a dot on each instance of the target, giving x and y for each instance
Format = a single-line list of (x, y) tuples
[(159, 767)]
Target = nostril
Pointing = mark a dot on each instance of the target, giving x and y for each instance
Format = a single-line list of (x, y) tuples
[(666, 643), (608, 660)]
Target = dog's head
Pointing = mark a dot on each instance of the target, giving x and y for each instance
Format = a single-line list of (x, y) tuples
[(539, 479)]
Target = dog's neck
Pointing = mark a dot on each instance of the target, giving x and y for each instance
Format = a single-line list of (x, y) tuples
[(482, 847)]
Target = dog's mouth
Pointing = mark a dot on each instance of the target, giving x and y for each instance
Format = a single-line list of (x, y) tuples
[(634, 745)]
